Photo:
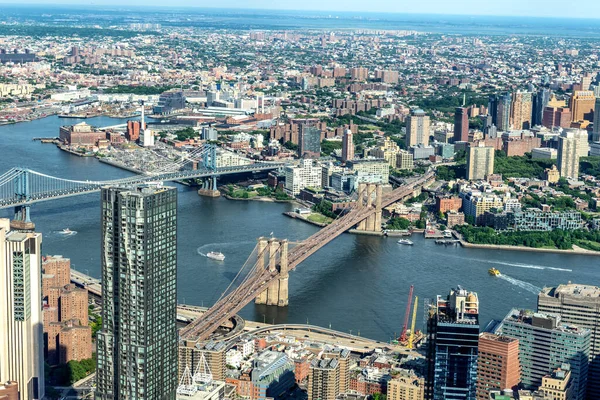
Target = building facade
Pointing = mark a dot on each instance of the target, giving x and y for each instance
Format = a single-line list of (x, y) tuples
[(578, 304), (21, 334), (307, 174), (309, 141), (324, 379), (480, 162), (568, 155), (453, 336), (137, 345), (498, 364), (417, 128), (461, 125), (545, 343)]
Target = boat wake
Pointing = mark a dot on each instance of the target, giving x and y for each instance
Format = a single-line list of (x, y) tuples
[(207, 248), (65, 234), (523, 285), (520, 265)]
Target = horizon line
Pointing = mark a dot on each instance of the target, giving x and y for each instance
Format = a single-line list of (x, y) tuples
[(208, 7)]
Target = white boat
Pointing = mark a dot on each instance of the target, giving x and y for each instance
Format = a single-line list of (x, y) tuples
[(405, 241), (215, 255), (66, 231)]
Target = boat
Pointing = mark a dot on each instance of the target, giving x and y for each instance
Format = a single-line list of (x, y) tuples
[(405, 241), (66, 231), (215, 255), (494, 272)]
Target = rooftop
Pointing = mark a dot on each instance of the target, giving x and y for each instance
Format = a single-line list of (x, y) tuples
[(572, 289)]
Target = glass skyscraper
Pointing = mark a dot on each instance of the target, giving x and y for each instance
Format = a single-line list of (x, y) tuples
[(453, 335), (137, 346)]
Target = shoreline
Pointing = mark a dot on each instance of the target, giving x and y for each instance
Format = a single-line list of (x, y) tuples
[(575, 251)]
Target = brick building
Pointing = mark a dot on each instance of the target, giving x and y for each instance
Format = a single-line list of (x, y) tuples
[(448, 203), (498, 364), (81, 135)]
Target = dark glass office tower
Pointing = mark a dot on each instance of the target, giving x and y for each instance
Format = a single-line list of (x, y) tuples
[(453, 333), (137, 346)]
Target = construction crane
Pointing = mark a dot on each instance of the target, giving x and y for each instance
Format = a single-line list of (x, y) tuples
[(403, 336), (411, 337)]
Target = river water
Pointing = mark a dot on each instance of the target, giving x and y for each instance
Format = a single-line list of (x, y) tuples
[(356, 283)]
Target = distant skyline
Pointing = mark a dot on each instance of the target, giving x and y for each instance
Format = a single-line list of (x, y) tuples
[(517, 8)]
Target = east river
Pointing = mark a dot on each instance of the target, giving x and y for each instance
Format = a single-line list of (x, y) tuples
[(354, 284)]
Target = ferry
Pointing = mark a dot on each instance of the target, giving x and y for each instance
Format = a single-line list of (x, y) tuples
[(405, 241), (494, 272), (215, 255)]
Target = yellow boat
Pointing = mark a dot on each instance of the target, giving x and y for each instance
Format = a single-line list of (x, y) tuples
[(494, 272)]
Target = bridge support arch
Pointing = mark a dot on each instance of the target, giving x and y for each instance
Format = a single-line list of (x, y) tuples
[(369, 196), (275, 252), (22, 219), (209, 187)]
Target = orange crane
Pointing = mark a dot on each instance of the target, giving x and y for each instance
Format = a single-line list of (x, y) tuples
[(403, 336), (411, 336)]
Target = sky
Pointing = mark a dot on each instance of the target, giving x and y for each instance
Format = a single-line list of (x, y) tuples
[(539, 8)]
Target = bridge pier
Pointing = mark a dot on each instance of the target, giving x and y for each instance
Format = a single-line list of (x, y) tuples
[(209, 187), (369, 196), (277, 251)]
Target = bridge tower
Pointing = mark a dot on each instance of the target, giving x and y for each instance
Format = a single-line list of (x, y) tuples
[(369, 196), (276, 253), (209, 161), (22, 219)]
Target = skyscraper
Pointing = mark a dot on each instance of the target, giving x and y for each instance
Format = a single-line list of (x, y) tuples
[(461, 125), (347, 146), (498, 364), (568, 155), (137, 346), (499, 108), (21, 335), (309, 141), (578, 304), (596, 131), (324, 379), (521, 110), (582, 105), (540, 101), (417, 128), (545, 343), (453, 336), (480, 161)]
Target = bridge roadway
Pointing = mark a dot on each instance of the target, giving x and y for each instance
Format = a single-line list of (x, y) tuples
[(85, 187), (261, 279)]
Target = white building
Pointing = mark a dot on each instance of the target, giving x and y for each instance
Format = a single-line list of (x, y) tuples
[(234, 358), (21, 332), (246, 347), (544, 153), (229, 159), (307, 174), (370, 170)]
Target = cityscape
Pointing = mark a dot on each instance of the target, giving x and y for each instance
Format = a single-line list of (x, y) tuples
[(246, 203)]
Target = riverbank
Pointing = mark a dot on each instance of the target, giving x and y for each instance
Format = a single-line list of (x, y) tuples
[(259, 198), (576, 249)]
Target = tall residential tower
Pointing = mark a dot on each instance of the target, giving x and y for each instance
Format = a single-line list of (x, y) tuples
[(21, 335), (137, 346)]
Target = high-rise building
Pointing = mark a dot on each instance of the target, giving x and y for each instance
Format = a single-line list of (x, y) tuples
[(499, 108), (404, 160), (21, 334), (453, 337), (498, 364), (521, 110), (558, 385), (137, 345), (417, 128), (272, 375), (578, 304), (480, 161), (596, 128), (67, 335), (133, 130), (557, 117), (324, 379), (191, 356), (461, 125), (582, 105), (406, 386), (347, 146), (568, 154), (307, 174), (359, 74), (343, 357), (545, 343), (309, 141), (586, 81), (540, 101)]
